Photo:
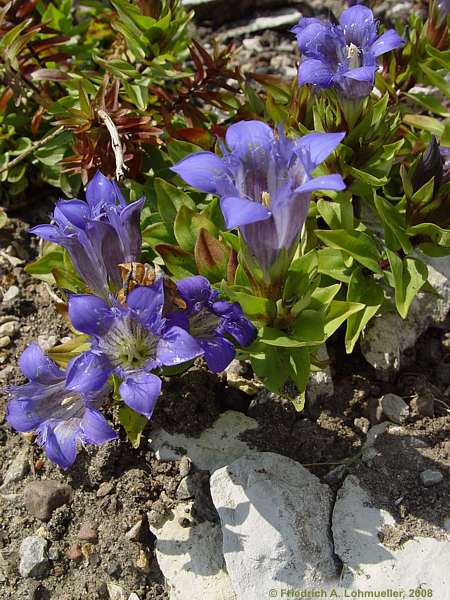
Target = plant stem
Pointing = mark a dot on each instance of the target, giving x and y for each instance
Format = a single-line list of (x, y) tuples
[(32, 148)]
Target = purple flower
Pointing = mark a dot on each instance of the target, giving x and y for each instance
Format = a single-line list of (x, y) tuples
[(209, 321), (99, 234), (265, 183), (133, 340), (343, 56), (63, 408)]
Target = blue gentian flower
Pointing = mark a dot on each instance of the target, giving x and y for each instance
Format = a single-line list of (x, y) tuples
[(99, 234), (265, 183), (210, 321), (345, 55), (62, 407), (132, 340)]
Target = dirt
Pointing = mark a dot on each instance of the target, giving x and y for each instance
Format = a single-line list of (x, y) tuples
[(115, 486)]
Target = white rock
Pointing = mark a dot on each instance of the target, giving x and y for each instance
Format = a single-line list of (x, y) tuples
[(275, 523), (115, 592), (280, 18), (191, 559), (388, 336), (368, 565), (11, 293), (214, 448), (46, 342), (17, 469), (395, 408), (9, 328), (33, 557), (5, 340)]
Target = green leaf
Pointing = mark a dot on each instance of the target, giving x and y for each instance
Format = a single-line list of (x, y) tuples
[(409, 274), (187, 227), (211, 256), (156, 234), (179, 262), (322, 297), (424, 122), (308, 328), (133, 423), (338, 312), (271, 365), (435, 79), (367, 178), (364, 290), (300, 365), (42, 267), (334, 263), (394, 222), (3, 218), (169, 201), (63, 353), (361, 246)]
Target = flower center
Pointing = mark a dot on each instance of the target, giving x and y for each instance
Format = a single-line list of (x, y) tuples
[(203, 324), (353, 56), (265, 199), (128, 344)]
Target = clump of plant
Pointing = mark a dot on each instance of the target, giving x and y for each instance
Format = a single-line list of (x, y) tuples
[(273, 214)]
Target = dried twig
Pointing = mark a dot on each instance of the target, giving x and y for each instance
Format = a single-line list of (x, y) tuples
[(32, 148), (115, 141)]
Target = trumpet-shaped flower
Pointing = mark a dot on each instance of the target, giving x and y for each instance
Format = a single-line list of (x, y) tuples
[(265, 183), (209, 321), (344, 55), (99, 234), (133, 340), (63, 408)]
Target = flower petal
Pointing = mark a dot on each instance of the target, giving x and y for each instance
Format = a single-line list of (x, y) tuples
[(194, 289), (246, 137), (140, 392), (235, 323), (22, 414), (89, 314), (87, 373), (361, 74), (326, 182), (238, 211), (75, 211), (60, 442), (177, 347), (358, 25), (201, 170), (389, 40), (130, 233), (315, 147), (50, 233), (100, 191), (96, 428), (315, 72), (36, 366), (148, 301), (219, 352)]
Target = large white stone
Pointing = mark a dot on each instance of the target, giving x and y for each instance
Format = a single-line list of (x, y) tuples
[(191, 559), (275, 523), (368, 564), (388, 336), (214, 448)]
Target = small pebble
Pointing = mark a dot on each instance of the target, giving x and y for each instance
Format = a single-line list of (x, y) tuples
[(88, 532), (185, 466), (395, 408), (104, 489), (430, 477), (74, 552), (9, 328), (5, 340), (33, 557), (17, 469), (53, 554), (46, 342), (43, 496), (143, 562), (135, 532), (362, 424), (11, 293), (115, 592)]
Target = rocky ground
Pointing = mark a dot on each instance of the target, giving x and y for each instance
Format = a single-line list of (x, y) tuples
[(231, 490)]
